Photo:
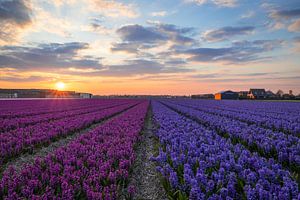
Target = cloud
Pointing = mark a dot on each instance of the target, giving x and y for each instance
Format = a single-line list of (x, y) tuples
[(65, 58), (47, 57), (114, 9), (295, 26), (130, 47), (15, 15), (96, 26), (267, 45), (226, 33), (241, 77), (47, 21), (21, 79), (286, 19), (59, 3), (132, 68), (238, 53), (220, 3), (136, 37), (248, 15), (173, 62), (285, 14), (138, 33), (159, 14), (296, 42), (142, 66)]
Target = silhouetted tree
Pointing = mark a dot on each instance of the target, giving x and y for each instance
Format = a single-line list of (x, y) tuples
[(279, 93)]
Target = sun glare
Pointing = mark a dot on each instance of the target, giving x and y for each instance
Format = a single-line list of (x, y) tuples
[(60, 85)]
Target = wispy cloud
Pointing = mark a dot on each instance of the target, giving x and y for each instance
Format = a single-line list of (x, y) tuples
[(137, 37), (221, 3), (289, 19), (285, 14), (296, 42), (15, 16), (295, 26), (238, 53), (113, 8), (21, 79), (96, 26), (46, 57), (159, 14), (226, 33), (248, 14), (46, 21), (138, 33)]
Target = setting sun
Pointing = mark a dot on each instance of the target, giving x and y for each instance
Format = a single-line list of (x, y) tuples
[(60, 85)]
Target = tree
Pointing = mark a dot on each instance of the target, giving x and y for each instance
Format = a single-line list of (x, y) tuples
[(279, 93)]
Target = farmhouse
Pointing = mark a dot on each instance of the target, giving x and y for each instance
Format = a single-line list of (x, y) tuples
[(257, 94), (243, 94), (226, 95)]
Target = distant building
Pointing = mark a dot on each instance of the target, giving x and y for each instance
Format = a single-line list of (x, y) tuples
[(8, 95), (226, 95), (270, 95), (202, 96), (62, 94), (41, 93), (257, 94), (85, 95), (243, 94)]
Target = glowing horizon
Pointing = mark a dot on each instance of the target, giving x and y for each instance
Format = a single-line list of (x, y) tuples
[(177, 47)]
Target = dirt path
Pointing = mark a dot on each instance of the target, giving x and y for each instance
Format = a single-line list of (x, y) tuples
[(144, 176)]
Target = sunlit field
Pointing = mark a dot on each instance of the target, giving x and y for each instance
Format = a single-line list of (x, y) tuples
[(203, 149)]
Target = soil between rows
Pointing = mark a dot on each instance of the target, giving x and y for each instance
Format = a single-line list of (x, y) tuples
[(144, 176)]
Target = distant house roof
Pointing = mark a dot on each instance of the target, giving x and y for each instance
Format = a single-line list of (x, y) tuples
[(257, 90), (269, 92), (227, 91)]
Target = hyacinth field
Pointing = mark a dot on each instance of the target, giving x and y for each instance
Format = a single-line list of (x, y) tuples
[(199, 149)]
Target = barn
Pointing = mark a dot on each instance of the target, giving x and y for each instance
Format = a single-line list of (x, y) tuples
[(226, 95)]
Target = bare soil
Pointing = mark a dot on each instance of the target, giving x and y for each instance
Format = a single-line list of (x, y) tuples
[(144, 176)]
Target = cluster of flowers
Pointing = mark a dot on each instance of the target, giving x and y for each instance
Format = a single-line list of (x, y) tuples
[(20, 122), (197, 163), (13, 109), (288, 123), (93, 166), (21, 140), (281, 110), (284, 148)]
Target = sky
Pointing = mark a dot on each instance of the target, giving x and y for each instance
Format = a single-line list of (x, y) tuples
[(176, 47)]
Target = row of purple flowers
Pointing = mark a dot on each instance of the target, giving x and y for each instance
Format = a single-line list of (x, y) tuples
[(282, 147), (23, 140), (197, 163), (20, 122), (93, 166), (22, 108), (288, 123)]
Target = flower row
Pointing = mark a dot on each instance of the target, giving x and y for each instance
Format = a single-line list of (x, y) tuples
[(197, 163), (20, 122), (284, 148), (23, 140), (280, 122), (93, 166)]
